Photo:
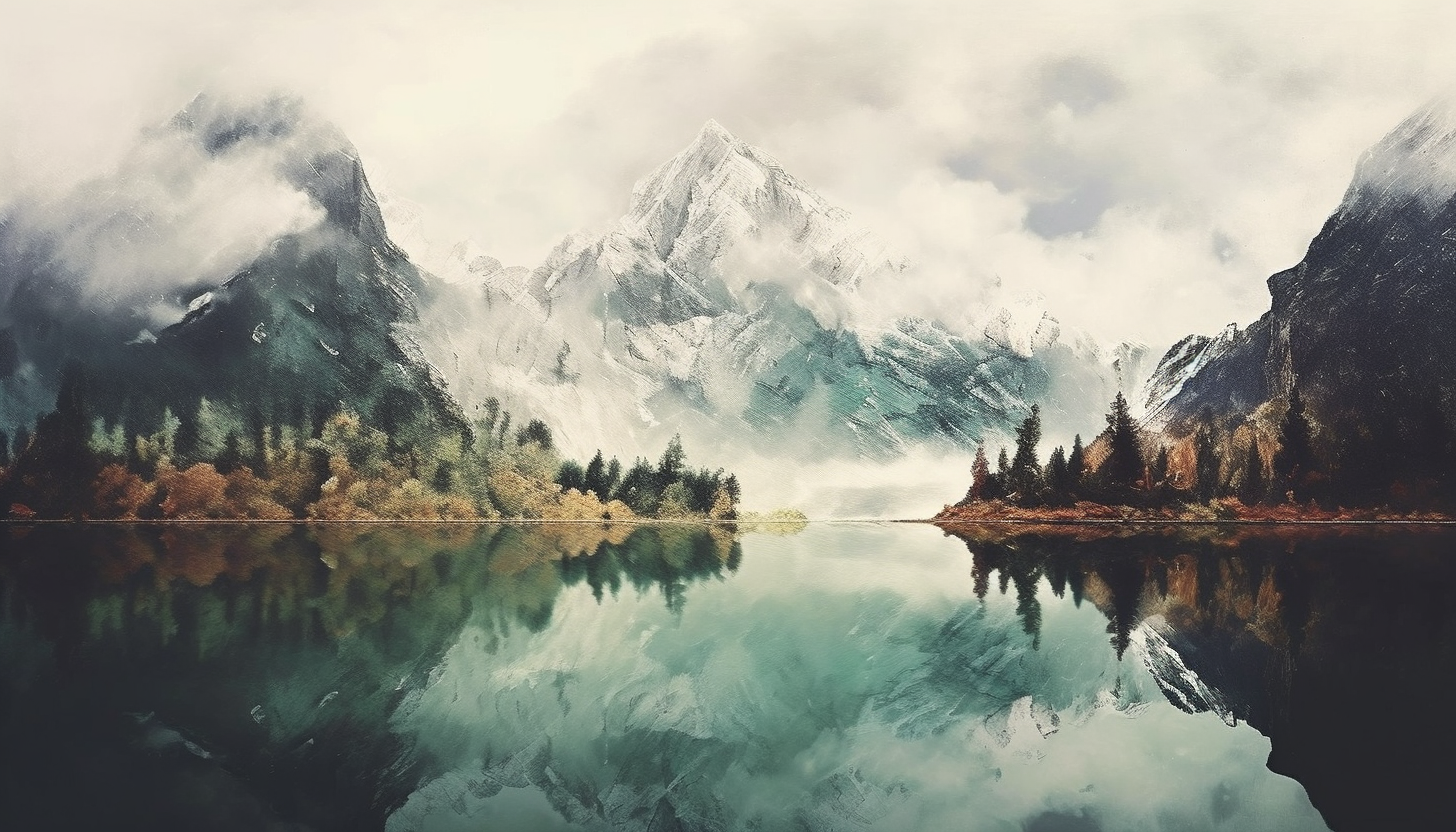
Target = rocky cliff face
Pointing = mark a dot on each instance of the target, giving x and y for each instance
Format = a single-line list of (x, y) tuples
[(238, 255), (1365, 322)]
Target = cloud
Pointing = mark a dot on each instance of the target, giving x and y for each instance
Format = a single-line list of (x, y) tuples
[(189, 206), (1144, 165), (863, 689)]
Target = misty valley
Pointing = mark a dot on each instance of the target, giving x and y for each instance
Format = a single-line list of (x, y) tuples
[(311, 523), (689, 677)]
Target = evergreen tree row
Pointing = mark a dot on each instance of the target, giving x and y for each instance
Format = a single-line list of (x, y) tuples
[(1135, 469)]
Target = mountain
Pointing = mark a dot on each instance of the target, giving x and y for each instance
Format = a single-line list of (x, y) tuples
[(1224, 372), (1363, 324), (237, 256), (729, 304)]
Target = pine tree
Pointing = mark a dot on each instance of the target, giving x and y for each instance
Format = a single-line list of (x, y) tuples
[(1059, 477), (733, 490), (570, 475), (595, 478), (1025, 477), (492, 412), (1205, 459), (1160, 466), (444, 478), (231, 457), (1124, 465), (1253, 488), (980, 470), (187, 441), (614, 476), (1077, 462), (257, 459), (59, 458), (1295, 458), (639, 490), (669, 469), (536, 432)]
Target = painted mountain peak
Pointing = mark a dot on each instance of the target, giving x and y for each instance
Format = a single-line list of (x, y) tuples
[(237, 255), (1361, 327), (220, 329), (728, 303)]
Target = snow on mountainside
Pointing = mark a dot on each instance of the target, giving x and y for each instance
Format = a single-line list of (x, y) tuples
[(725, 305), (1180, 366), (714, 219)]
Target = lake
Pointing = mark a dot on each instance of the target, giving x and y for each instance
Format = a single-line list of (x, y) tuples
[(846, 677)]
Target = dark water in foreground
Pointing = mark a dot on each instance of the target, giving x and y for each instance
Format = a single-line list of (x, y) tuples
[(851, 677)]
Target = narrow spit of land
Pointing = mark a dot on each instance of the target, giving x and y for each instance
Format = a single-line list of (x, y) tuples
[(1223, 511)]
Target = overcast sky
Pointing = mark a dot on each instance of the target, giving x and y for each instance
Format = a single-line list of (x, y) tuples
[(1144, 165)]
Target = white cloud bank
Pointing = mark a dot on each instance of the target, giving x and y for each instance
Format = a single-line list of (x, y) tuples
[(1143, 165)]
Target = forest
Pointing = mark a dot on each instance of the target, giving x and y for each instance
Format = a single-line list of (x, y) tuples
[(215, 463), (1281, 462)]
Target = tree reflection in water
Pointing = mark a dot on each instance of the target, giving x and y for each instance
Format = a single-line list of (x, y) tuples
[(1338, 645), (287, 646)]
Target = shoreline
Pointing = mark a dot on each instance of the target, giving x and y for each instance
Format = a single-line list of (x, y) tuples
[(1230, 512), (938, 520)]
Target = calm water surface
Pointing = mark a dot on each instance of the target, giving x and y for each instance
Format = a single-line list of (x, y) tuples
[(849, 677)]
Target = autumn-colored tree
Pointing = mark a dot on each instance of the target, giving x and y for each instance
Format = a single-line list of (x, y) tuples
[(200, 492), (120, 494), (725, 507), (980, 470)]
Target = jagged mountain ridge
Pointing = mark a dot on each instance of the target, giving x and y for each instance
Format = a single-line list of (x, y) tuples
[(726, 303), (1365, 321), (303, 322)]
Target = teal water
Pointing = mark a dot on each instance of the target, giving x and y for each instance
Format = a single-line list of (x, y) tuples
[(848, 677)]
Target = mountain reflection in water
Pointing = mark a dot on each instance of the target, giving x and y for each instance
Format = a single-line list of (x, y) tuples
[(677, 677), (1338, 644)]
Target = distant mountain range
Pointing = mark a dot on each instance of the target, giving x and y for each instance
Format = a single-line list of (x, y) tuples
[(727, 305), (239, 261)]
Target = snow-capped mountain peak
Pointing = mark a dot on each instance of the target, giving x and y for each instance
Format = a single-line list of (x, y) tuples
[(735, 305), (1183, 362), (1417, 158), (721, 192)]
